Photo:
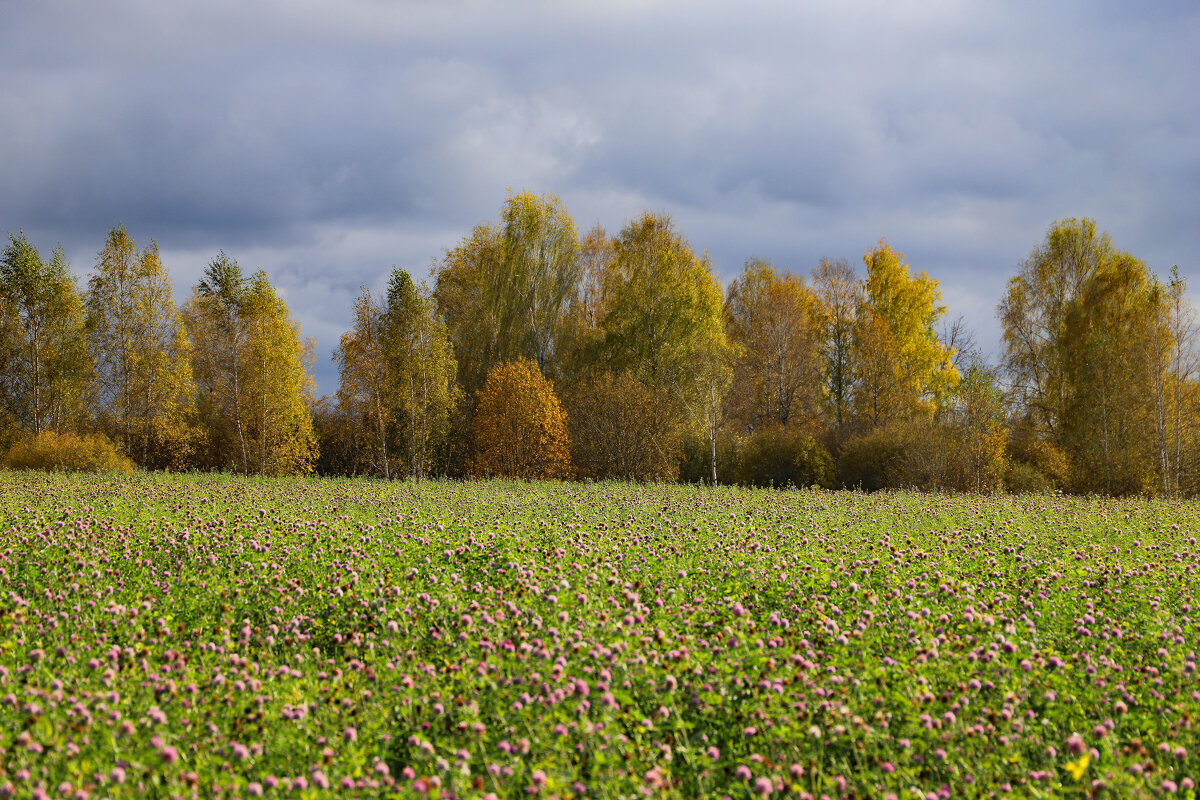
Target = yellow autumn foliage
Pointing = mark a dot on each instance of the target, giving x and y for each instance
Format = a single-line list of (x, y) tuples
[(520, 426), (67, 452)]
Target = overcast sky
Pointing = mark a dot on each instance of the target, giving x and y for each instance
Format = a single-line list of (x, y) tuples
[(326, 141)]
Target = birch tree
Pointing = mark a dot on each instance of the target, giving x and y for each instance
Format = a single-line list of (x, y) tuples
[(464, 292), (251, 367), (422, 370), (505, 291), (839, 295), (279, 385), (662, 308), (1087, 341), (45, 371), (662, 321), (541, 269), (145, 392), (366, 388), (902, 370)]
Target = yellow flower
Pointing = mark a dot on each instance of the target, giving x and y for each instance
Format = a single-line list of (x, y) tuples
[(1077, 768)]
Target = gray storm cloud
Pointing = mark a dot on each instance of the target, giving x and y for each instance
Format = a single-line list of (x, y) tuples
[(325, 142)]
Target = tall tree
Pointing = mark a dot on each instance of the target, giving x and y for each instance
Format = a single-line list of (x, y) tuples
[(1033, 314), (1079, 330), (661, 307), (505, 291), (1109, 430), (1185, 362), (839, 295), (366, 389), (466, 283), (879, 395), (144, 387), (251, 372), (279, 383), (215, 323), (421, 367), (775, 321), (662, 320), (903, 369), (541, 269), (45, 371), (1171, 355)]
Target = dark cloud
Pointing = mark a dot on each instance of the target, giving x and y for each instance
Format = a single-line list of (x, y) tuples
[(326, 141)]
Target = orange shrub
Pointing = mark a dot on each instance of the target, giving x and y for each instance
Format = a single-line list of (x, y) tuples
[(520, 427)]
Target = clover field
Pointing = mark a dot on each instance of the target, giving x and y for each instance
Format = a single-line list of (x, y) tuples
[(211, 636)]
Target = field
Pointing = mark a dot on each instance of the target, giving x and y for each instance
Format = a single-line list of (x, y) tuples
[(202, 636)]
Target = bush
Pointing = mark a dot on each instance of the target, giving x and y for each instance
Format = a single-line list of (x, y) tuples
[(10, 432), (520, 427), (1023, 478), (871, 461), (67, 452), (621, 428), (696, 464), (918, 454), (1043, 458), (782, 457), (978, 427)]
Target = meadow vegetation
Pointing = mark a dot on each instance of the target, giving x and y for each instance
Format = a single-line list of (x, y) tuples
[(212, 636)]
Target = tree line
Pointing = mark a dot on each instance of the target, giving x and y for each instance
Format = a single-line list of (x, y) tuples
[(220, 383), (542, 352)]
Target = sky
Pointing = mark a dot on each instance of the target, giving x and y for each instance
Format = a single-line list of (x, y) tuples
[(326, 141)]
